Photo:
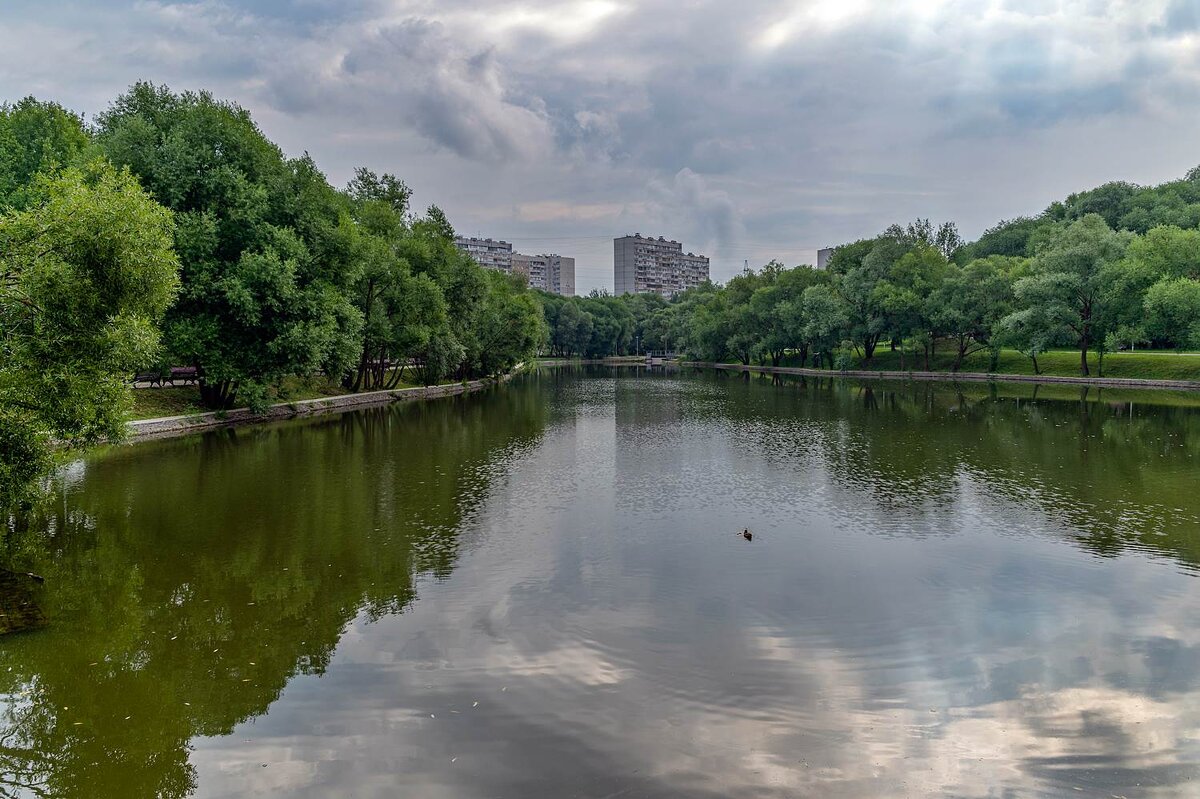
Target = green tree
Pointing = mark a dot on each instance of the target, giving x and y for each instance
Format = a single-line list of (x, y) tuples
[(1068, 281), (86, 272), (902, 297), (612, 326), (35, 137), (570, 327), (402, 313), (865, 268), (512, 326), (1173, 311), (970, 303), (1008, 237), (265, 243), (826, 319), (1032, 331), (778, 309), (457, 348), (705, 322), (1167, 251), (747, 325)]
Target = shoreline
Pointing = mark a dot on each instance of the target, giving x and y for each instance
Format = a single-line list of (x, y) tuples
[(953, 377), (174, 426), (892, 375)]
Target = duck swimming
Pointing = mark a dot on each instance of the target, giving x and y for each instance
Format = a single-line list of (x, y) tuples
[(746, 534)]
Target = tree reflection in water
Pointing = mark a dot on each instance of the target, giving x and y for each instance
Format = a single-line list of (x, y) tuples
[(189, 581), (279, 536)]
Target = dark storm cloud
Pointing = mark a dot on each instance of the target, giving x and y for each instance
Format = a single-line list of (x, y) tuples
[(751, 130)]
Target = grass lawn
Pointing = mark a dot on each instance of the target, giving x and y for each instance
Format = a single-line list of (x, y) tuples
[(1060, 363), (154, 403)]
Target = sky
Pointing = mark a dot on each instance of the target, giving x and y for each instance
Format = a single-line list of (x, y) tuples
[(747, 130)]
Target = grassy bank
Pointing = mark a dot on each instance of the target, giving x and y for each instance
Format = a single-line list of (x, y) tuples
[(1059, 363), (156, 403)]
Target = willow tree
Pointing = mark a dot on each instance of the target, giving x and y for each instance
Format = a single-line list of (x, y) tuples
[(1068, 282)]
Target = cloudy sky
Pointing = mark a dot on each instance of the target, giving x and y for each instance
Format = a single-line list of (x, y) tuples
[(748, 130)]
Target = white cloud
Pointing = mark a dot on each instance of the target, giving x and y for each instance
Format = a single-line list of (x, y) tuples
[(759, 129)]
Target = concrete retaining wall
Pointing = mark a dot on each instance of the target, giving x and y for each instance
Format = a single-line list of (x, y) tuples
[(171, 426), (952, 377), (624, 361)]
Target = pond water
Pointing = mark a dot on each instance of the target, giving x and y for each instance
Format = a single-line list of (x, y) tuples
[(542, 591)]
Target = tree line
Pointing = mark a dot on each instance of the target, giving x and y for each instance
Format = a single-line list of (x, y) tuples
[(171, 231), (1115, 267)]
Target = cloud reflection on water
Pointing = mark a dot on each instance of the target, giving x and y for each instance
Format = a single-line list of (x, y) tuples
[(654, 655)]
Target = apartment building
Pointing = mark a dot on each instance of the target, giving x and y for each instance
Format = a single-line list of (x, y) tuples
[(823, 256), (550, 272), (561, 276), (643, 265), (488, 253), (531, 267)]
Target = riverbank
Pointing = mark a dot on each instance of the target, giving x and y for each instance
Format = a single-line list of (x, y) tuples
[(617, 360), (172, 426), (951, 377), (1139, 365)]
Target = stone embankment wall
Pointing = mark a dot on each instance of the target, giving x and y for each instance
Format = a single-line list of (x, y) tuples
[(949, 377), (623, 360), (171, 426)]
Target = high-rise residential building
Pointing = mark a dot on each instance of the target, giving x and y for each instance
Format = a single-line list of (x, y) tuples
[(561, 276), (531, 267), (488, 253), (643, 265), (823, 257), (553, 273)]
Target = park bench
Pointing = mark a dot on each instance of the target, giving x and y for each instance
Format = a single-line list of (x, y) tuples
[(187, 374)]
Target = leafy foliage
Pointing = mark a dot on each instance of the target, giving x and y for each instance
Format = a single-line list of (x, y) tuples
[(264, 242), (86, 272), (35, 138)]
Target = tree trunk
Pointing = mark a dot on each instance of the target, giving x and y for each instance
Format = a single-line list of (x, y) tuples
[(1036, 370), (218, 396), (362, 369), (366, 345), (958, 358), (1085, 337), (397, 375), (869, 347)]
